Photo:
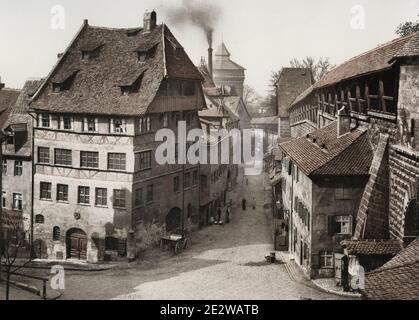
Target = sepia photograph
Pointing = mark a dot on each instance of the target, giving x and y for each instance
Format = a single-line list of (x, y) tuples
[(234, 152)]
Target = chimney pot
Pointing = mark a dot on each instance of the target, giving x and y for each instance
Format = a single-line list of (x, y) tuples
[(150, 21)]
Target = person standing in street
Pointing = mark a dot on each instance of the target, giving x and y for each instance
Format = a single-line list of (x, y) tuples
[(228, 211), (244, 202)]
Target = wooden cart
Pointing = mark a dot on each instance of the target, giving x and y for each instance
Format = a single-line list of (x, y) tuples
[(176, 241)]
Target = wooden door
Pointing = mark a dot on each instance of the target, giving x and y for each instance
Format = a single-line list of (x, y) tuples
[(77, 242)]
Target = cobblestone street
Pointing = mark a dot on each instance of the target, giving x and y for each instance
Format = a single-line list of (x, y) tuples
[(222, 262)]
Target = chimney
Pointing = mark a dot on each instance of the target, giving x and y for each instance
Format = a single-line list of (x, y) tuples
[(344, 122), (1, 84), (150, 21), (210, 51)]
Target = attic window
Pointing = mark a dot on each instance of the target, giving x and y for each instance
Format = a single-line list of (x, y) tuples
[(64, 84), (132, 88), (87, 54), (143, 55), (133, 33)]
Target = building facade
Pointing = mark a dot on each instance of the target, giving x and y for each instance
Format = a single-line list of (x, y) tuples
[(97, 184)]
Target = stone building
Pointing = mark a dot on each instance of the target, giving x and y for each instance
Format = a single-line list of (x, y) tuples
[(17, 158), (99, 193), (227, 73), (377, 90), (323, 179), (291, 83)]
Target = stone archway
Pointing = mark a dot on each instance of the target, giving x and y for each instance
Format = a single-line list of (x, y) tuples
[(76, 242), (174, 220)]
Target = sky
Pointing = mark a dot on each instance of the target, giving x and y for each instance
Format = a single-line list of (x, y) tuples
[(261, 35)]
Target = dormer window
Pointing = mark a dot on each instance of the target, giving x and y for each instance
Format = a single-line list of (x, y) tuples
[(144, 54), (45, 120), (132, 85), (118, 125), (63, 82), (90, 124), (66, 123), (91, 51)]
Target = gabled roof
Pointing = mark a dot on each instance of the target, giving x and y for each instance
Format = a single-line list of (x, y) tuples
[(322, 153), (411, 48), (208, 82), (396, 280), (375, 60), (8, 99), (222, 50), (373, 247), (234, 103), (291, 83), (96, 86), (222, 60)]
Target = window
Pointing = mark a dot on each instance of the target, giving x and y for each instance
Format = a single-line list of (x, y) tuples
[(150, 194), (144, 159), (176, 184), (17, 201), (89, 124), (344, 225), (84, 195), (62, 193), (144, 125), (195, 178), (119, 198), (326, 259), (56, 234), (63, 157), (18, 168), (139, 197), (187, 180), (45, 191), (101, 197), (4, 166), (343, 194), (67, 123), (89, 159), (43, 155), (118, 126), (39, 218), (117, 161), (4, 200), (165, 120), (45, 120)]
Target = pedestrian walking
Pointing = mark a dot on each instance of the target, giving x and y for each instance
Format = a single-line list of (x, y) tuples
[(244, 202)]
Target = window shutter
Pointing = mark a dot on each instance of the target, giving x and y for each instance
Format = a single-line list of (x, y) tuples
[(331, 225), (315, 260)]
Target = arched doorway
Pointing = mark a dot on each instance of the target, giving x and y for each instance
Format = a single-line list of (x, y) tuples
[(411, 228), (40, 249), (76, 241), (174, 220)]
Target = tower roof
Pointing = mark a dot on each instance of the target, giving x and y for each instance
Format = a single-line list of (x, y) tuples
[(222, 50)]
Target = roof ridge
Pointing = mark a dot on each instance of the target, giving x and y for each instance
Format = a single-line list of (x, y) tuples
[(382, 269)]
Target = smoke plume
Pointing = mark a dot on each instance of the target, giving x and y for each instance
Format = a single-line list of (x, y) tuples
[(197, 13)]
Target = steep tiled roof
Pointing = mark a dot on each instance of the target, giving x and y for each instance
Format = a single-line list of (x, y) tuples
[(322, 153), (96, 85), (8, 99), (291, 83), (372, 247), (234, 103), (411, 48), (208, 82), (371, 61), (396, 280)]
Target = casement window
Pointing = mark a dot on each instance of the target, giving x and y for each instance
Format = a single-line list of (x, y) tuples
[(90, 124), (84, 195), (101, 197), (18, 168), (187, 180), (39, 219), (63, 157), (326, 259), (176, 184), (150, 194), (89, 159), (43, 155), (144, 160), (195, 178), (45, 120), (4, 167), (343, 194), (62, 193), (4, 200), (117, 161), (144, 124), (17, 201), (139, 200), (56, 234), (45, 191), (119, 200), (343, 225), (118, 125), (66, 123), (166, 120)]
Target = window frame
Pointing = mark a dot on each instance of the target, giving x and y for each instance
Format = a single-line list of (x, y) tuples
[(18, 168), (324, 257), (83, 195), (86, 124), (48, 191), (119, 198), (120, 164), (144, 160), (19, 200), (122, 126), (63, 123), (340, 220), (344, 194), (101, 200), (63, 193), (144, 125), (45, 152), (87, 159), (63, 154), (43, 118)]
